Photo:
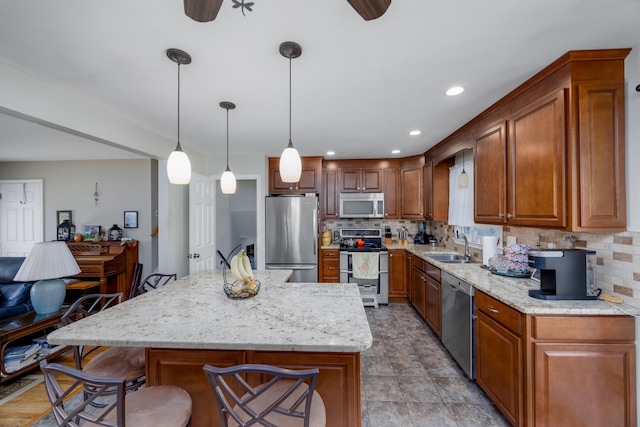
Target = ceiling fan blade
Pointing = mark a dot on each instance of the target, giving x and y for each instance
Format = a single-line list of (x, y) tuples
[(202, 10), (370, 9)]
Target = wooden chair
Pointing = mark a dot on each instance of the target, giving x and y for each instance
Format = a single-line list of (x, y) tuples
[(287, 398), (153, 281), (135, 279), (156, 406), (116, 362)]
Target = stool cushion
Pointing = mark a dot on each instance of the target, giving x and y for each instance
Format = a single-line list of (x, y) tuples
[(127, 362), (318, 417), (157, 406)]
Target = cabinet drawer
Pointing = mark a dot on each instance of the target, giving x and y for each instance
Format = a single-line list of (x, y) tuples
[(584, 328), (432, 271), (330, 268), (419, 263), (501, 313), (330, 254)]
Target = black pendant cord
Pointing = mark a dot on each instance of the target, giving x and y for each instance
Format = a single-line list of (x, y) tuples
[(290, 143), (228, 139), (178, 148)]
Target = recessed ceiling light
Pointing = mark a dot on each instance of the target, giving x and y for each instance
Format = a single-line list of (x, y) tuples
[(331, 153), (456, 90), (395, 152), (415, 132)]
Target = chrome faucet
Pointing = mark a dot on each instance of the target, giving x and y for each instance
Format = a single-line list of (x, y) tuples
[(467, 253)]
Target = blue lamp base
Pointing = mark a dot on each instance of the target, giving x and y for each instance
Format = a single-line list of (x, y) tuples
[(47, 296)]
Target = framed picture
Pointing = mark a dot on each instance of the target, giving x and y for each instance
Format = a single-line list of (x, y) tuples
[(92, 232), (63, 216), (130, 219)]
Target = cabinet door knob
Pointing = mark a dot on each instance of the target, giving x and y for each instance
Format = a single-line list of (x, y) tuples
[(509, 216)]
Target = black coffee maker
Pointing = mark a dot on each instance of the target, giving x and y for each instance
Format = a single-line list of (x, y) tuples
[(421, 237), (565, 274)]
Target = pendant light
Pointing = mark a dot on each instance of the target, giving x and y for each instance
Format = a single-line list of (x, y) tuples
[(290, 163), (178, 165), (228, 179), (463, 179)]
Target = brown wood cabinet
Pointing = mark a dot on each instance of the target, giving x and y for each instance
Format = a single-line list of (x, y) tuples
[(551, 152), (310, 179), (412, 193), (397, 273), (355, 180), (583, 371), (392, 194), (499, 356), (418, 284), (427, 175), (330, 266), (433, 304), (330, 207)]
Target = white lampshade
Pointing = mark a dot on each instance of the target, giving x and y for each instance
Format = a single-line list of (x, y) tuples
[(228, 182), (290, 164), (48, 260), (463, 180), (179, 168)]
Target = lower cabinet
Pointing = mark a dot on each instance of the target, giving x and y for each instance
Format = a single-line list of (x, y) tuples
[(418, 283), (433, 310), (556, 370), (499, 356), (397, 270), (330, 266), (583, 371), (424, 292)]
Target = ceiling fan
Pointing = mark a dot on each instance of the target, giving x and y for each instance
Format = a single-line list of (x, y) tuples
[(207, 10)]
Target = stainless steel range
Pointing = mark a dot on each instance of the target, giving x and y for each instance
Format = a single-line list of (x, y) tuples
[(365, 260)]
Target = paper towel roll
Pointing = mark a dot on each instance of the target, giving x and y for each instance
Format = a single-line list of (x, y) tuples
[(489, 248)]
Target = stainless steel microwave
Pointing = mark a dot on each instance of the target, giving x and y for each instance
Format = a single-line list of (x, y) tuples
[(361, 205)]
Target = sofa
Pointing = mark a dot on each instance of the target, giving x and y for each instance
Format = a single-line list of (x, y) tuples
[(14, 296)]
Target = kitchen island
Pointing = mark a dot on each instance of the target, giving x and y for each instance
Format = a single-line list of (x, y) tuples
[(190, 322)]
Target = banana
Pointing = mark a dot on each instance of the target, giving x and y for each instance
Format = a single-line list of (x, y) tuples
[(246, 263), (235, 268)]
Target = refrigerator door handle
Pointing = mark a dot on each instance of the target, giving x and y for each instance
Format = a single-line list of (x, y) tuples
[(315, 228)]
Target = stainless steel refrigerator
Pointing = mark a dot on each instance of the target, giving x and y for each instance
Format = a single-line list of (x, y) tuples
[(292, 236)]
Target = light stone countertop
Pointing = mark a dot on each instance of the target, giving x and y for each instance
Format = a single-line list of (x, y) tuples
[(514, 291), (194, 312)]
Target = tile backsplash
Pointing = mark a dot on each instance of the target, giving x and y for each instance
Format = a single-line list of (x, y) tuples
[(617, 254)]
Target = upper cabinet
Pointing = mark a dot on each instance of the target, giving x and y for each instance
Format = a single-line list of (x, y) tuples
[(361, 180), (551, 152), (391, 193), (310, 179), (427, 175), (412, 184)]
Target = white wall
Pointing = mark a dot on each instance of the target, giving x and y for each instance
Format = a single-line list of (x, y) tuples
[(122, 185)]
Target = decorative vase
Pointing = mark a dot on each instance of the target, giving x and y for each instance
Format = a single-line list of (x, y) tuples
[(115, 233), (48, 295), (326, 238)]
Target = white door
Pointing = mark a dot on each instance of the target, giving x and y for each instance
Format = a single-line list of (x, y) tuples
[(202, 248), (20, 216)]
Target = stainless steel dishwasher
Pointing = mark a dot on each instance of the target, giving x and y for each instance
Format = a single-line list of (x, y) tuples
[(457, 321)]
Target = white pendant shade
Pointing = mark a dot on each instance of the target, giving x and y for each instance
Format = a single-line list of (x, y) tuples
[(228, 182), (179, 168), (290, 164), (48, 260), (463, 180)]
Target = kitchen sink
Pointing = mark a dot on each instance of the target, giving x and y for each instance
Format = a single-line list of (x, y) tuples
[(449, 258)]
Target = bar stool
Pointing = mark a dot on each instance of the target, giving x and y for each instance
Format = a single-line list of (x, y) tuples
[(157, 406), (284, 399)]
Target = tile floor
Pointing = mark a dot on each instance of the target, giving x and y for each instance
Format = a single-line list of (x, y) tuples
[(409, 378)]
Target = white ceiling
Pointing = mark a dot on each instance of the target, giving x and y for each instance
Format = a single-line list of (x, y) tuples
[(358, 88)]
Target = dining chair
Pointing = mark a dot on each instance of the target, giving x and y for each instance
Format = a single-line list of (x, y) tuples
[(126, 362), (153, 281), (135, 279), (284, 397), (157, 406)]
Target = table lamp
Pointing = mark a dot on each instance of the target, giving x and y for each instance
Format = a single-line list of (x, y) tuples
[(48, 262)]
